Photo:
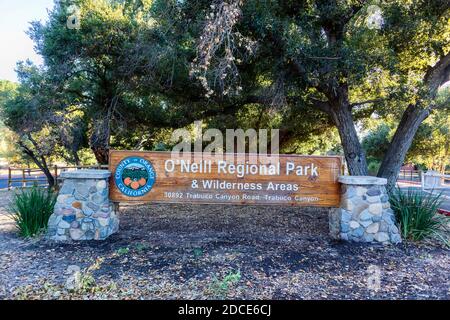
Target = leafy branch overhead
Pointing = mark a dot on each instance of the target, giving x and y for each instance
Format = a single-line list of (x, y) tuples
[(127, 73)]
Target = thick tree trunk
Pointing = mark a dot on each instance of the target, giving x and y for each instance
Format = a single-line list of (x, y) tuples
[(401, 142), (412, 118), (101, 152), (99, 140), (49, 176), (41, 163), (354, 153), (76, 158), (101, 133), (44, 167)]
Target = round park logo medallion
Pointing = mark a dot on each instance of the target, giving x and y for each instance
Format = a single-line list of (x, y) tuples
[(135, 176)]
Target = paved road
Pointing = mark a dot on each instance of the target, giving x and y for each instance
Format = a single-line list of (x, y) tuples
[(446, 203), (445, 195)]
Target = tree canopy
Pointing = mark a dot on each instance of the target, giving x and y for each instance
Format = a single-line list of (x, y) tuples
[(123, 74)]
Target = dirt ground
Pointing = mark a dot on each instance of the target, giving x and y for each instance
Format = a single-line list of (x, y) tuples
[(218, 252), (5, 221)]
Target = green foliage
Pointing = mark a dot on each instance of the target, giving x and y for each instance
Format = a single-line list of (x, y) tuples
[(123, 251), (430, 147), (324, 142), (87, 282), (31, 210), (8, 151), (161, 147), (222, 287), (8, 90), (135, 174), (416, 213), (83, 281), (198, 252), (129, 74), (373, 167), (376, 142), (46, 125)]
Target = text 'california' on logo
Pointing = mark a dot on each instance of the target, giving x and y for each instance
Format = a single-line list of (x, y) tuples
[(135, 176)]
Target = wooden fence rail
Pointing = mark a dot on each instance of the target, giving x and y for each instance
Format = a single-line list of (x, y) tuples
[(409, 175), (26, 174), (415, 175)]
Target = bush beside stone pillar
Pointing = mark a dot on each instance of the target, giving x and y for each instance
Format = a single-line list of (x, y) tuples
[(83, 210), (365, 214)]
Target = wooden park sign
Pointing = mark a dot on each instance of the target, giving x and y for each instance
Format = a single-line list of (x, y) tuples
[(161, 177)]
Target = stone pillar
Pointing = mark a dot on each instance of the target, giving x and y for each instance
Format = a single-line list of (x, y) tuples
[(365, 214), (83, 210)]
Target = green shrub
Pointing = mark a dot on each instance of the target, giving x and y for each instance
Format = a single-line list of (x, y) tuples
[(31, 210), (373, 167), (161, 147), (416, 213)]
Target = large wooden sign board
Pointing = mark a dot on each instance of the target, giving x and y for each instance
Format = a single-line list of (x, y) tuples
[(159, 177)]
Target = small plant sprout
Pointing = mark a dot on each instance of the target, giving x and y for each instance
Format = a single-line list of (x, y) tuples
[(222, 287), (123, 251)]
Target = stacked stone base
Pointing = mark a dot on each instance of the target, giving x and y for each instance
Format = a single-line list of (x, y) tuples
[(365, 214), (83, 210)]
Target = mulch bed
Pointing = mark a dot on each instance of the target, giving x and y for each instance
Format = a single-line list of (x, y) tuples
[(218, 252)]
